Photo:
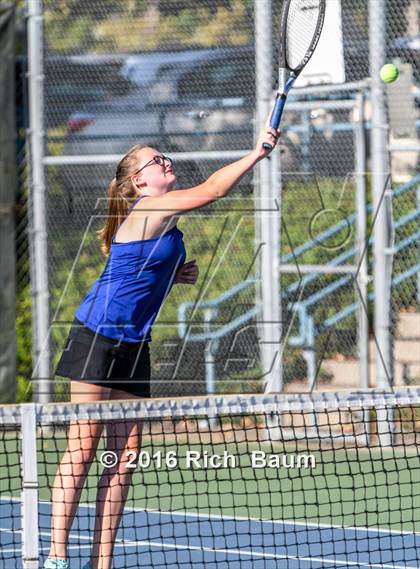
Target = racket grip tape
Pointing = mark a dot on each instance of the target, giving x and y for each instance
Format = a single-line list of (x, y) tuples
[(276, 116)]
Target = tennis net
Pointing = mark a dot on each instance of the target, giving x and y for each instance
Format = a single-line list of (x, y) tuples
[(262, 481)]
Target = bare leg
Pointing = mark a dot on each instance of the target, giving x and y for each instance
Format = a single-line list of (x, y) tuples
[(113, 487), (83, 439)]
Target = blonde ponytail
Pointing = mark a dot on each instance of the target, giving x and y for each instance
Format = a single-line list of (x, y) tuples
[(117, 211)]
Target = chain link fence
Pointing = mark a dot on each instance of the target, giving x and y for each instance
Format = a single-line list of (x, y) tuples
[(182, 78)]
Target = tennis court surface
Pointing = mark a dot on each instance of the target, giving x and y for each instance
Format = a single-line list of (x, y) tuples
[(291, 481)]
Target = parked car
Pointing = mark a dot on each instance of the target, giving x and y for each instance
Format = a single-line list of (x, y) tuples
[(205, 102), (74, 81), (356, 55), (407, 49), (143, 69)]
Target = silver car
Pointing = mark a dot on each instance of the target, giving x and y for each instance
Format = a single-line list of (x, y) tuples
[(195, 103)]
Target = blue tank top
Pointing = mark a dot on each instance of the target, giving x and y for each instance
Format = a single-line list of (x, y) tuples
[(125, 300)]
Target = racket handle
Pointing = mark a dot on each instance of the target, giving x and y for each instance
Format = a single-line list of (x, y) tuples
[(276, 116), (267, 146)]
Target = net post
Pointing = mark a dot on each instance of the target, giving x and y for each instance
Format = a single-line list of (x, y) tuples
[(267, 197), (29, 501)]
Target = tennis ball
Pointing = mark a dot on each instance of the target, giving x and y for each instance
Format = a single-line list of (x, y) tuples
[(389, 73)]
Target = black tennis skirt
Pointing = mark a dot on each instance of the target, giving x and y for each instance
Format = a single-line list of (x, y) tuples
[(94, 358)]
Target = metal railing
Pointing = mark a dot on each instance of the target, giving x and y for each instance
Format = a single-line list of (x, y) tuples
[(308, 330)]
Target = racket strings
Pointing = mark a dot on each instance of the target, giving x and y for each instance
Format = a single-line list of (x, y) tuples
[(301, 28)]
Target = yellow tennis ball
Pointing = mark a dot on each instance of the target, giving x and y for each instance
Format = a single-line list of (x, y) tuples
[(389, 73)]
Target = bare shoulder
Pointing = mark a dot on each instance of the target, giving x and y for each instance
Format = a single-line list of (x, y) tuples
[(179, 201), (153, 208), (154, 203), (152, 211)]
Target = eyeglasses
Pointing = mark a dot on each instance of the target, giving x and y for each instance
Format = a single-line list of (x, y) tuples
[(159, 160)]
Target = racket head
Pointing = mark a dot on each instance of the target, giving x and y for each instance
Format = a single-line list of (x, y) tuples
[(301, 27)]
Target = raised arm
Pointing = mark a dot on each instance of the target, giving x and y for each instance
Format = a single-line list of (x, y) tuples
[(218, 185)]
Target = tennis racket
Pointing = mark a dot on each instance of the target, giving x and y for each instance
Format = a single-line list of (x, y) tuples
[(300, 29)]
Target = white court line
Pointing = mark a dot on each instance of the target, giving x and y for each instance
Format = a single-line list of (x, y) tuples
[(267, 555), (19, 549), (262, 555), (163, 545), (277, 522), (244, 518), (46, 533)]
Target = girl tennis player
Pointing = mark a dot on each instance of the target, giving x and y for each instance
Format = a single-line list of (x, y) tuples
[(106, 354)]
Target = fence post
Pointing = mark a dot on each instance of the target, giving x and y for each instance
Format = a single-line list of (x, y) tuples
[(267, 189), (209, 353), (362, 245), (381, 231), (38, 232)]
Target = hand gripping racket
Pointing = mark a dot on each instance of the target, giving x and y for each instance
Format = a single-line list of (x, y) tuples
[(300, 29)]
